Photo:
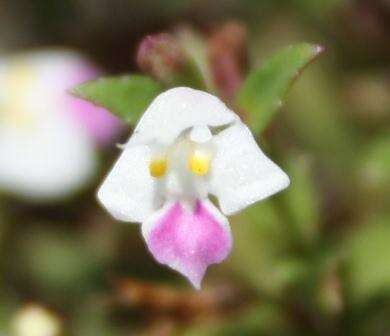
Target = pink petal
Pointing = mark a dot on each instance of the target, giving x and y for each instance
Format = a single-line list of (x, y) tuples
[(188, 240), (102, 125)]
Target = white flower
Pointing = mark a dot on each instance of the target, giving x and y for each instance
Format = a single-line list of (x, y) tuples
[(188, 145), (34, 320), (47, 138)]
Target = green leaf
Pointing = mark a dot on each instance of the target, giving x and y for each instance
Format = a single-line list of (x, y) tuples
[(126, 96), (262, 92), (195, 46)]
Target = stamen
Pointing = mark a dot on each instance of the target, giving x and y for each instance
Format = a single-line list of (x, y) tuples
[(158, 167), (199, 163)]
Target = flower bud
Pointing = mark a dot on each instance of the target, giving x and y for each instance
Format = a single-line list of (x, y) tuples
[(162, 57), (228, 57)]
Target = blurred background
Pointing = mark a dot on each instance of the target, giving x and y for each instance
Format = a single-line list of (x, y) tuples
[(314, 260)]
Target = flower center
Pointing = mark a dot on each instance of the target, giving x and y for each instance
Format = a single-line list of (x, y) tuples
[(182, 168), (197, 156)]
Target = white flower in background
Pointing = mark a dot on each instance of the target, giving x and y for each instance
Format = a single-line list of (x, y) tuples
[(48, 138), (188, 145), (34, 320)]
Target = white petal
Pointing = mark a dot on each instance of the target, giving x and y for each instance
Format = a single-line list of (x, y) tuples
[(129, 192), (177, 110), (45, 160), (49, 156), (241, 174), (200, 134), (53, 69)]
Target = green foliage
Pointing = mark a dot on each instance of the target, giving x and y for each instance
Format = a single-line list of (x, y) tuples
[(126, 96), (302, 200), (9, 305), (58, 262), (92, 318), (260, 254), (374, 172), (195, 46), (262, 92), (320, 9), (368, 267), (264, 319), (312, 261), (317, 116)]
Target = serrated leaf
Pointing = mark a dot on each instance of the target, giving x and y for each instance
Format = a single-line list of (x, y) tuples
[(126, 96), (262, 92)]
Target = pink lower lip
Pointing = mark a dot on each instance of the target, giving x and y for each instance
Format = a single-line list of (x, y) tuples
[(189, 241)]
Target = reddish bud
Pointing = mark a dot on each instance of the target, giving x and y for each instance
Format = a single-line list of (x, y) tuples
[(228, 58), (162, 57)]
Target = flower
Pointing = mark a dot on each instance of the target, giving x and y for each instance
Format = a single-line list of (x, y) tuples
[(35, 320), (48, 138), (188, 145)]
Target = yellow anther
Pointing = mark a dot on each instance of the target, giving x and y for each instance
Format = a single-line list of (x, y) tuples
[(199, 164), (158, 167)]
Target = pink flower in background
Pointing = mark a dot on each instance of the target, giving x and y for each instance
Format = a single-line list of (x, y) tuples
[(48, 139), (102, 125), (188, 145)]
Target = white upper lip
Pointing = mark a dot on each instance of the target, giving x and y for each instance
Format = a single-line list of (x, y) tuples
[(240, 173)]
